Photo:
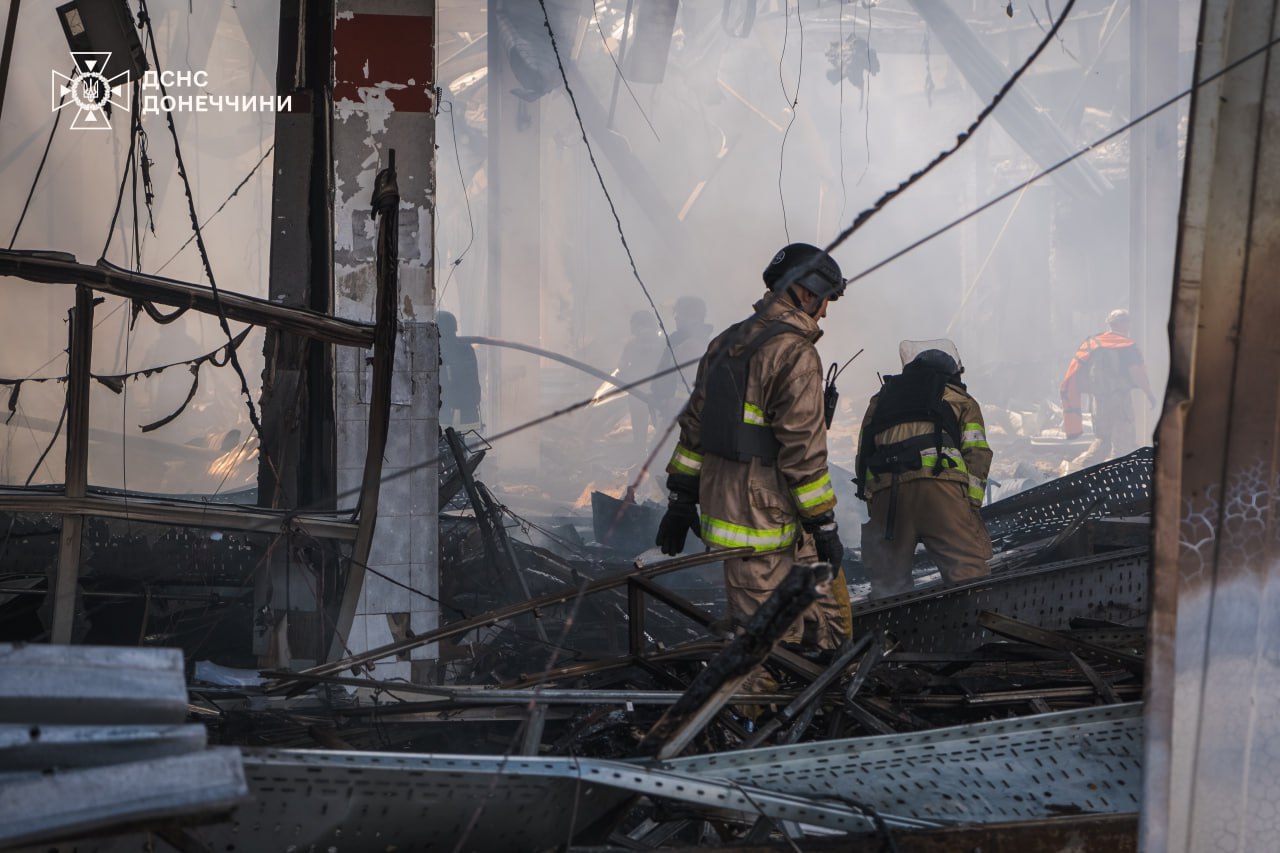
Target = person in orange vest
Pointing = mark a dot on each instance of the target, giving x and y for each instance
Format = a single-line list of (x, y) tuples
[(1107, 367)]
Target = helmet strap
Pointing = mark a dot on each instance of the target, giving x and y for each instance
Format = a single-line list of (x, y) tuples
[(798, 301)]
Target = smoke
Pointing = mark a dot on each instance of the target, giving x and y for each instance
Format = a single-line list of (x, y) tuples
[(696, 167)]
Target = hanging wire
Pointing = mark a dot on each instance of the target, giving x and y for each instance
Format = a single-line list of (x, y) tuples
[(618, 68), (124, 174), (614, 210), (866, 102), (792, 100), (1124, 128), (57, 117), (225, 201), (453, 131), (144, 17), (865, 216), (844, 189)]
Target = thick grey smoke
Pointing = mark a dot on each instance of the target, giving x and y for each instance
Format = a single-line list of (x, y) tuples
[(697, 169)]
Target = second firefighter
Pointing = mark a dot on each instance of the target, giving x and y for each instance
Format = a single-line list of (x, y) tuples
[(922, 467)]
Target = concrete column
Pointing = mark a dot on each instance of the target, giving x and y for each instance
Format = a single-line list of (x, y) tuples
[(383, 99)]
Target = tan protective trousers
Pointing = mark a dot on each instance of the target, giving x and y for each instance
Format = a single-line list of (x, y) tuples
[(749, 582), (1115, 433), (937, 513)]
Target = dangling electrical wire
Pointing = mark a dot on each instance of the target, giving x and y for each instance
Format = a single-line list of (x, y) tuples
[(618, 68), (844, 189), (1124, 128), (792, 100), (144, 17), (599, 177), (865, 216), (124, 175), (453, 131), (210, 218), (866, 102), (57, 117)]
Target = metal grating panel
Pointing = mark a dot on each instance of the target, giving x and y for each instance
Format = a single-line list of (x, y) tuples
[(1018, 769), (358, 802), (1111, 587), (378, 801), (1121, 487)]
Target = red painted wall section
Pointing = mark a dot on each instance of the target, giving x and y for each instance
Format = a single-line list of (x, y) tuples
[(371, 51)]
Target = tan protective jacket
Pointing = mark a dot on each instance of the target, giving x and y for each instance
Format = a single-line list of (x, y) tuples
[(749, 503), (972, 460)]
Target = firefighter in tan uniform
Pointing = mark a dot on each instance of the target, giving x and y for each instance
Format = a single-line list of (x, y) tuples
[(922, 467), (753, 449)]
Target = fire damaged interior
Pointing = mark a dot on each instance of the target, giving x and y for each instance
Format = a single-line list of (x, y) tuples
[(344, 490)]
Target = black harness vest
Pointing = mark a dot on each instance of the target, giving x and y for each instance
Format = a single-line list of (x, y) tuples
[(725, 432), (907, 398)]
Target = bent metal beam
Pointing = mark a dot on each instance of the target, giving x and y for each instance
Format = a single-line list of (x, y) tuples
[(62, 268)]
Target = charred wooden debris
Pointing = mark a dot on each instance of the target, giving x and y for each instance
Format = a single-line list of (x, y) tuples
[(591, 650), (573, 683)]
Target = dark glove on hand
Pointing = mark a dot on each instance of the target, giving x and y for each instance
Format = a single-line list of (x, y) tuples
[(681, 517), (826, 538)]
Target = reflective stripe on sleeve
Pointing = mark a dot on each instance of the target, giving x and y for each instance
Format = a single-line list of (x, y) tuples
[(973, 436), (717, 532), (753, 415), (814, 494), (685, 461)]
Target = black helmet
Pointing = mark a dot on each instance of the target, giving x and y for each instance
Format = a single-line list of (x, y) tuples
[(807, 266), (935, 359)]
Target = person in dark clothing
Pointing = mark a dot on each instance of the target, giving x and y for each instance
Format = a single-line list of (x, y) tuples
[(459, 378), (689, 340), (639, 354)]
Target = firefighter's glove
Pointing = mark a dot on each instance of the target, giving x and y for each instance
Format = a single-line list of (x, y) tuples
[(681, 517), (826, 538)]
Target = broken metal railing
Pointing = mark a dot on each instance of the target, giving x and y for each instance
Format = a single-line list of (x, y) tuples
[(75, 502), (493, 617)]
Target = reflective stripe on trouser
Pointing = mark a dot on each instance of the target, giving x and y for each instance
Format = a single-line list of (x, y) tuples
[(718, 532), (749, 583), (937, 513)]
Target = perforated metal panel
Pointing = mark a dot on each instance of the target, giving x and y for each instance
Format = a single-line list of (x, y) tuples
[(353, 802), (1121, 487), (1112, 587), (1017, 769)]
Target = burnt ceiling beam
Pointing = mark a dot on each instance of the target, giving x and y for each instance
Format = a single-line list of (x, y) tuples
[(62, 268)]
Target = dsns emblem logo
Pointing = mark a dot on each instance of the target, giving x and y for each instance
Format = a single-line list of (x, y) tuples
[(90, 91)]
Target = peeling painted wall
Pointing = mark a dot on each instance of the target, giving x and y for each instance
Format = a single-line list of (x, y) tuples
[(383, 100)]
